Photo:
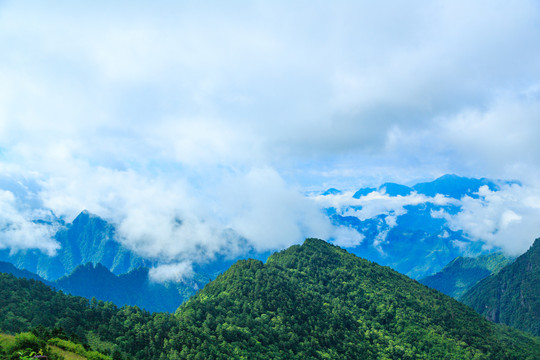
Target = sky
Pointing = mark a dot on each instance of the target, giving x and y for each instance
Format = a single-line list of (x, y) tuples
[(190, 124)]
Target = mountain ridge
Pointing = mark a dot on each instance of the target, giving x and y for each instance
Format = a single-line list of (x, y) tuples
[(342, 296), (512, 296), (464, 272), (313, 300)]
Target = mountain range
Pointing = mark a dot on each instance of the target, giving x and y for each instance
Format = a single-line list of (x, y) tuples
[(311, 301), (414, 239), (132, 288), (88, 238)]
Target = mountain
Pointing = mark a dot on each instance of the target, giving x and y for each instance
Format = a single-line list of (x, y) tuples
[(88, 238), (314, 301), (417, 231), (414, 238), (414, 243), (332, 191), (9, 268), (454, 186), (318, 301), (464, 272), (390, 189), (133, 288), (363, 192), (393, 189), (512, 296)]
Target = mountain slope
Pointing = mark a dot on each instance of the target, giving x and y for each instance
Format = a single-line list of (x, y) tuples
[(512, 296), (318, 301), (133, 288), (464, 272), (313, 301), (88, 238), (9, 268)]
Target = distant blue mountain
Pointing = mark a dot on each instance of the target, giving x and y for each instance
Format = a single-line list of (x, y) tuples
[(133, 288), (393, 189), (416, 243), (92, 263), (331, 191), (454, 186), (363, 192), (8, 268)]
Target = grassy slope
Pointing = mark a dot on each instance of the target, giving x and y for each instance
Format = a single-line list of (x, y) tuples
[(7, 339)]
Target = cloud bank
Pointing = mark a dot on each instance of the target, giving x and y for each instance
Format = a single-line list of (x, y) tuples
[(18, 229), (506, 219), (190, 125)]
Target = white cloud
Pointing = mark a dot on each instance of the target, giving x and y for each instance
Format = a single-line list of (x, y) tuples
[(262, 208), (501, 137), (171, 219), (171, 272), (347, 237), (377, 203), (507, 219), (18, 231), (213, 113)]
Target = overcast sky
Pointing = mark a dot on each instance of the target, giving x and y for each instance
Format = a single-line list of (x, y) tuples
[(205, 111)]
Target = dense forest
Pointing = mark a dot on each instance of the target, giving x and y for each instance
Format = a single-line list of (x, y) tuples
[(512, 296), (311, 301)]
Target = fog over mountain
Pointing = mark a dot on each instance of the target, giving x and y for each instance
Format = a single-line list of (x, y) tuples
[(416, 230), (198, 129)]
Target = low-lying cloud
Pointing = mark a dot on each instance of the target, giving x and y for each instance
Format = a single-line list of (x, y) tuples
[(505, 219), (19, 229), (175, 272), (173, 220), (377, 203), (197, 127)]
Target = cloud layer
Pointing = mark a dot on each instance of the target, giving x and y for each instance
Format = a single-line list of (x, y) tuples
[(192, 124), (506, 219)]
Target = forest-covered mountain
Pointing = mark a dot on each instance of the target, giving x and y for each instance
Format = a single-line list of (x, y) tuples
[(512, 296), (464, 272), (311, 301)]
